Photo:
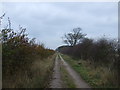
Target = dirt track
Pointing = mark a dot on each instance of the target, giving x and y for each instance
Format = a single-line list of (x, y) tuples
[(56, 81)]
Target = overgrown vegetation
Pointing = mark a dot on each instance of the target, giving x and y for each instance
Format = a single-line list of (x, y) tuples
[(101, 53), (99, 77), (23, 60), (66, 78)]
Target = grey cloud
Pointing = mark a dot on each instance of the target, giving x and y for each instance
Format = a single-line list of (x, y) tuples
[(49, 21)]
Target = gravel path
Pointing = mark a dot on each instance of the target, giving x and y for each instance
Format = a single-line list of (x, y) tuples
[(56, 81), (79, 82)]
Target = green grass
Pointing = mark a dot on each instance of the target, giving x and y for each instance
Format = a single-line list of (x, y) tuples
[(99, 77), (66, 78)]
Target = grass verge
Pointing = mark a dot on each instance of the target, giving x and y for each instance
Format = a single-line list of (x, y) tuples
[(99, 77), (66, 78)]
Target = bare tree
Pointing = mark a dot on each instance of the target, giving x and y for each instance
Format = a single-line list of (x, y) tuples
[(9, 23), (1, 17), (74, 38)]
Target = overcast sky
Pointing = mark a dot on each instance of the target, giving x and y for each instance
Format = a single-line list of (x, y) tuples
[(48, 22)]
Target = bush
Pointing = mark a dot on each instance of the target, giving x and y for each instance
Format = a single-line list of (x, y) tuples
[(19, 52), (102, 51)]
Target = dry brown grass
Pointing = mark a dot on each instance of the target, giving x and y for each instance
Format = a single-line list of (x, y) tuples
[(36, 77)]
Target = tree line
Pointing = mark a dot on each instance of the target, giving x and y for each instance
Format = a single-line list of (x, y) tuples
[(101, 52)]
